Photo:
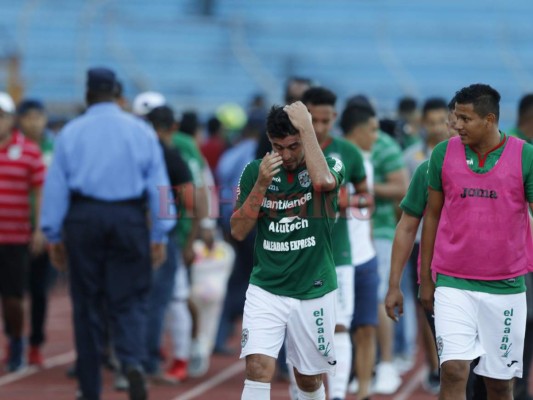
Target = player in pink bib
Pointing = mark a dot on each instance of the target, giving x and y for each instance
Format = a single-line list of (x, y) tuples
[(477, 239)]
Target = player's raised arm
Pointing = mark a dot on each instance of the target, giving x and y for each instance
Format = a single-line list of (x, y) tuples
[(249, 202), (321, 177)]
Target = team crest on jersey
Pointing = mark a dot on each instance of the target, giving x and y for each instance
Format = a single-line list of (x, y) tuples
[(338, 164), (440, 345), (304, 179), (244, 337)]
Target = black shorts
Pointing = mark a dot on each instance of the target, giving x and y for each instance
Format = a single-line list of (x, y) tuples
[(14, 262)]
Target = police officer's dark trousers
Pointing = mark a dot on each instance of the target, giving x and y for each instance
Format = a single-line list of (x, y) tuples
[(108, 248)]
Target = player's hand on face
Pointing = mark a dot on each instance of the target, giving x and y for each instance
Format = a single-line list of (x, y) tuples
[(299, 116), (269, 167), (427, 294), (393, 302)]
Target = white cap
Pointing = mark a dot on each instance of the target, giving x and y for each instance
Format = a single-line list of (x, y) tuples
[(7, 104), (146, 102)]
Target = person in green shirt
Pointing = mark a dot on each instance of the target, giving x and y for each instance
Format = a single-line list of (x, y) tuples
[(524, 126), (390, 185), (321, 104), (291, 196), (471, 315), (31, 120), (360, 126)]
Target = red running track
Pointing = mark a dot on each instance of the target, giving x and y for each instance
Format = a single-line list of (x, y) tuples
[(223, 381)]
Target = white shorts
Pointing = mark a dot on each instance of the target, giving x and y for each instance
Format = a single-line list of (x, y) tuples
[(476, 324), (345, 294), (383, 250), (309, 326)]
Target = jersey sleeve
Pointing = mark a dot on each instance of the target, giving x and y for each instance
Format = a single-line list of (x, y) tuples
[(415, 200), (392, 158), (336, 167), (527, 170), (246, 184), (435, 166)]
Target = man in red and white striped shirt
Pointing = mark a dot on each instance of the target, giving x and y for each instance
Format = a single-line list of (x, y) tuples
[(21, 174)]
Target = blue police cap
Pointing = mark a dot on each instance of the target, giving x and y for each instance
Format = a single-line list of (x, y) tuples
[(101, 80), (30, 104)]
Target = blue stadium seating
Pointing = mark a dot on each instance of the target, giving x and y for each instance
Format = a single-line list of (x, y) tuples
[(382, 48)]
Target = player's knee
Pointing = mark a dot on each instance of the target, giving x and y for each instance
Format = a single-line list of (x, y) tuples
[(259, 368), (340, 328), (308, 383), (499, 389), (455, 371)]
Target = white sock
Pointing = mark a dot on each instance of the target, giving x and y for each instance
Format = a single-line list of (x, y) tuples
[(319, 394), (338, 383), (255, 390), (180, 328)]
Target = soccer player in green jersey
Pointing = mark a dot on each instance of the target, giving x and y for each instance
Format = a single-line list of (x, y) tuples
[(291, 196), (436, 120), (477, 238), (321, 104)]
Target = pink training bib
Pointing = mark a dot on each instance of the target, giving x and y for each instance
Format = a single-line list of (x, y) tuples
[(484, 231)]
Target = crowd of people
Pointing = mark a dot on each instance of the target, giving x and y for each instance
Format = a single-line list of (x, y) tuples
[(342, 241)]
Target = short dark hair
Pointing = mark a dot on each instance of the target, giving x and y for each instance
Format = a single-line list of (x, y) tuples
[(319, 96), (359, 100), (434, 103), (484, 98), (189, 122), (213, 126), (295, 79), (525, 106), (279, 124), (355, 115), (406, 105), (27, 105), (161, 117)]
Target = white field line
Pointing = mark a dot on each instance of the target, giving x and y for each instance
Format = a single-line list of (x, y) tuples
[(49, 363), (412, 384), (216, 380)]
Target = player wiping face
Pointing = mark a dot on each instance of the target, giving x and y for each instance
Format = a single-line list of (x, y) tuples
[(290, 150)]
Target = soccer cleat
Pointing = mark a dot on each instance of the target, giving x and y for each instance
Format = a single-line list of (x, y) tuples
[(178, 370), (35, 356)]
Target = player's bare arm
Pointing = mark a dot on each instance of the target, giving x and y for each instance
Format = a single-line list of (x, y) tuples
[(244, 219), (321, 177), (394, 187), (429, 232), (402, 246)]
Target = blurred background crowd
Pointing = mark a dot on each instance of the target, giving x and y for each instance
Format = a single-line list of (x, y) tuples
[(203, 74)]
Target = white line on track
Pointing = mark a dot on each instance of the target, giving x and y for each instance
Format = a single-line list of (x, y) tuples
[(412, 384), (51, 362), (216, 380)]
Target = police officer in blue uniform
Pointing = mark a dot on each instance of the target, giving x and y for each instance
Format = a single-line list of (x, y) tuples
[(107, 172)]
